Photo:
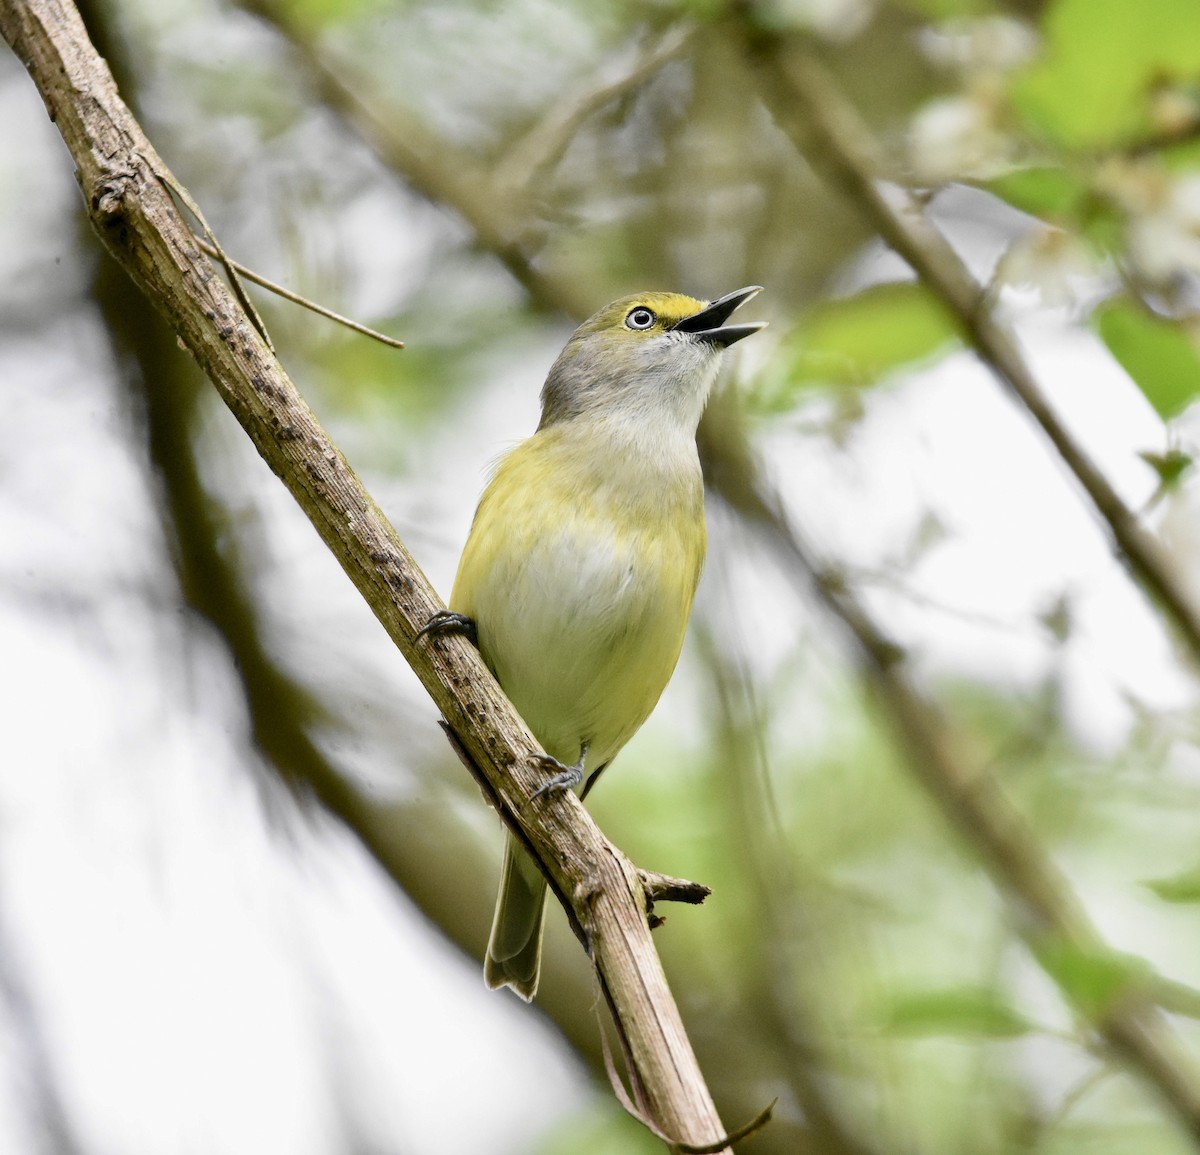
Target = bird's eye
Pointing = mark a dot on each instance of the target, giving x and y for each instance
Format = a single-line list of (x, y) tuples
[(640, 318)]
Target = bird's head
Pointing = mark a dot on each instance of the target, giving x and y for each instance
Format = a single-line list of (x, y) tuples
[(651, 356)]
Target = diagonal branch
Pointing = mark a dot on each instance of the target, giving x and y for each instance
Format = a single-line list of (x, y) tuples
[(813, 112), (528, 159), (125, 187)]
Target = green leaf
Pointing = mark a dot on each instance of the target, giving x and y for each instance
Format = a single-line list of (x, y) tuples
[(1041, 191), (1175, 997), (1093, 980), (854, 341), (962, 1011), (315, 15), (1102, 61), (1184, 887), (1171, 467), (1158, 354)]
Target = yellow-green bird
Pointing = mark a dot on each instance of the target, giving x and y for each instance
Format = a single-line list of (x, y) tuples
[(584, 555)]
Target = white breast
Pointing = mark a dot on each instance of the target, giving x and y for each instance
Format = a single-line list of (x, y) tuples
[(581, 585)]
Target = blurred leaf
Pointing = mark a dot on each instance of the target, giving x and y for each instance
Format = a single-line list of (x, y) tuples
[(1175, 997), (1080, 1134), (1093, 980), (702, 9), (1183, 887), (1156, 353), (600, 1129), (369, 379), (855, 341), (1059, 618), (929, 533), (449, 351), (1181, 157), (1103, 61), (313, 15), (970, 1011), (1041, 191), (1171, 466)]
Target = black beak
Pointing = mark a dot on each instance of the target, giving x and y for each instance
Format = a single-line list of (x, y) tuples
[(706, 324)]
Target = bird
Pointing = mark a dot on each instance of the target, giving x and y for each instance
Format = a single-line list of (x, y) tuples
[(578, 575)]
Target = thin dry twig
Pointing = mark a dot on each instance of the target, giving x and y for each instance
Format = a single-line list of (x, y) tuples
[(296, 299), (528, 159)]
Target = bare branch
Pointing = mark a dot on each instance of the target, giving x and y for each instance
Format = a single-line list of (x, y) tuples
[(527, 160)]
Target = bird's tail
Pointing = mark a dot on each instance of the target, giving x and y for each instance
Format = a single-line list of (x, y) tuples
[(514, 954)]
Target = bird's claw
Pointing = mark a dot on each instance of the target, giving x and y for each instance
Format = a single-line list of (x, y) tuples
[(449, 622), (565, 777)]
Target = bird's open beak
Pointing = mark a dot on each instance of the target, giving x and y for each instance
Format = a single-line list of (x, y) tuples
[(706, 325)]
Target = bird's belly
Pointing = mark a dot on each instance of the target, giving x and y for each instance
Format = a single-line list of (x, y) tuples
[(583, 628)]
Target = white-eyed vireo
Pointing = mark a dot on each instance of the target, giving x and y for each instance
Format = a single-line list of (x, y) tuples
[(583, 558)]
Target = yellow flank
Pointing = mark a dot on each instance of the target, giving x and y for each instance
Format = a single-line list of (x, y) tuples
[(579, 573)]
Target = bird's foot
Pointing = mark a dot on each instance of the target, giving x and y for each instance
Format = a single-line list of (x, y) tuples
[(448, 622), (565, 777)]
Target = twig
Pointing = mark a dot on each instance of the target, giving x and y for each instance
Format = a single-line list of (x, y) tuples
[(213, 246), (665, 888), (527, 160), (123, 186), (434, 167), (296, 299)]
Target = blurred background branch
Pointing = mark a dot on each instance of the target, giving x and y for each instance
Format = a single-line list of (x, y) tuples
[(808, 106), (953, 672), (1046, 911)]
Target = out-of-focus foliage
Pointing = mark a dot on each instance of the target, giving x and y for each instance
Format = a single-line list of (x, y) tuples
[(1107, 70), (857, 340), (1184, 887), (1160, 356), (854, 960)]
